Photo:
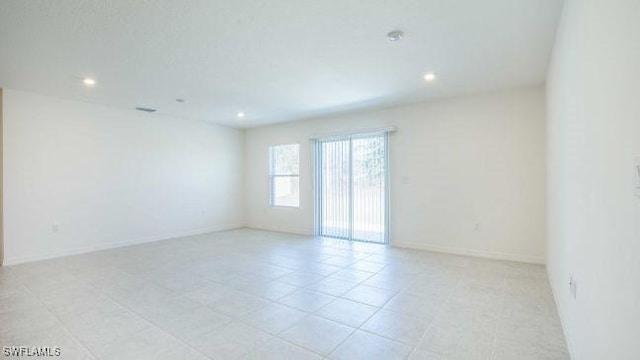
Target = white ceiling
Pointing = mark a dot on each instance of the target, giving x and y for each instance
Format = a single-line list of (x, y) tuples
[(276, 60)]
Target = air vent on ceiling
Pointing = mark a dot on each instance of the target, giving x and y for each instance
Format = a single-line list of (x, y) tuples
[(149, 110)]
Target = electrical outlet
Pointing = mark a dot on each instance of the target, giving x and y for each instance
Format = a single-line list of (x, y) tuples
[(55, 228), (573, 287), (476, 226)]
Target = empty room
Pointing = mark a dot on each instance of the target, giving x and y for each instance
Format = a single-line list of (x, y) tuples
[(338, 179)]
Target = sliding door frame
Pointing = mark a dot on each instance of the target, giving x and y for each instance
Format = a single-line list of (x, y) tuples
[(1, 178), (318, 185)]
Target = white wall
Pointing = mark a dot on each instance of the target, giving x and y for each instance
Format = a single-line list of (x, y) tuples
[(108, 177), (479, 158), (594, 218)]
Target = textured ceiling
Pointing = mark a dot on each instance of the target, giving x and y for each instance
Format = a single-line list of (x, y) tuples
[(276, 60)]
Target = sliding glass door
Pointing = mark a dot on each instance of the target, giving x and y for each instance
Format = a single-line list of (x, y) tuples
[(351, 187)]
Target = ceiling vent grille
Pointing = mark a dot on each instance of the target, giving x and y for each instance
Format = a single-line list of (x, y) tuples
[(149, 110)]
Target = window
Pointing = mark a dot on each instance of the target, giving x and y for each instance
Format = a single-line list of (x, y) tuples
[(285, 175)]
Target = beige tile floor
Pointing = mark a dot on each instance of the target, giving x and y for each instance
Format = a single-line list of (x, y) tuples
[(249, 294)]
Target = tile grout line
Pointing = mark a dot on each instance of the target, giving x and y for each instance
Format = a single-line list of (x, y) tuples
[(499, 316), (279, 336), (449, 295), (69, 332), (154, 324)]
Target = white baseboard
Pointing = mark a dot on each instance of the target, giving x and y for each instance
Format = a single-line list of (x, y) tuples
[(471, 252), (117, 244), (562, 315), (282, 229)]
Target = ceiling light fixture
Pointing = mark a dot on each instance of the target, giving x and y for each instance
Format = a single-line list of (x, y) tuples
[(430, 76), (395, 35), (180, 100), (240, 114), (89, 82)]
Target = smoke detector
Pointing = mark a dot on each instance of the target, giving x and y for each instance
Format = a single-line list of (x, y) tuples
[(395, 35)]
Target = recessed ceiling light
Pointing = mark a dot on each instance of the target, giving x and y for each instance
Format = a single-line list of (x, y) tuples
[(395, 35), (240, 114), (89, 81), (430, 76)]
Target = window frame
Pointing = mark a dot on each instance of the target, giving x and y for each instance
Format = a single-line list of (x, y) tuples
[(273, 176)]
